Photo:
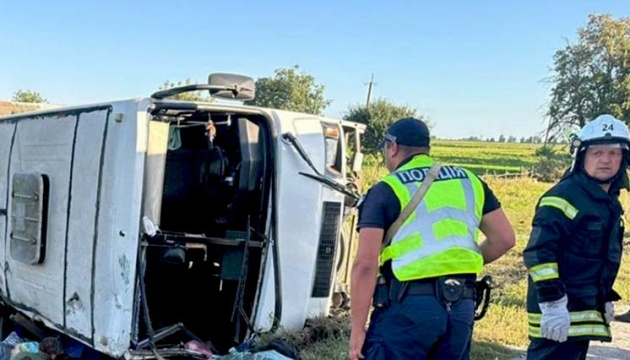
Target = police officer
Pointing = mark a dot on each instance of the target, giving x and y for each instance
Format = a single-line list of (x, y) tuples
[(574, 250), (430, 267)]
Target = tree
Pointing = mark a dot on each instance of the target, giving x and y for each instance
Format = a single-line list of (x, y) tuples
[(290, 90), (28, 96), (592, 76), (378, 116), (187, 96)]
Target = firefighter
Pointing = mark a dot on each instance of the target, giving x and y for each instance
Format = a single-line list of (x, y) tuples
[(424, 300), (574, 250)]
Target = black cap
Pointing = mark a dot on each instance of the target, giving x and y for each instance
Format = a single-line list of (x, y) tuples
[(408, 132)]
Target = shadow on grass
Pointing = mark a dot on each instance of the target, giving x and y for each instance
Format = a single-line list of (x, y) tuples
[(482, 350)]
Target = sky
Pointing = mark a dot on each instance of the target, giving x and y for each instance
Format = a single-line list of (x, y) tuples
[(475, 68)]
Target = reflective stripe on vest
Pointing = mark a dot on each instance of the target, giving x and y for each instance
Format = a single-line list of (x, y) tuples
[(440, 236)]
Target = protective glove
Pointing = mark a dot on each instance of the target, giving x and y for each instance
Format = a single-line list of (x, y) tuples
[(610, 312), (556, 320)]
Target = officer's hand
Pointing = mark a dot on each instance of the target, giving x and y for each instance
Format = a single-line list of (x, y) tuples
[(610, 312), (357, 338), (556, 320)]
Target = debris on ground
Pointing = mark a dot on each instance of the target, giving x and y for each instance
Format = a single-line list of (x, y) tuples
[(199, 347), (263, 355), (289, 343), (13, 347)]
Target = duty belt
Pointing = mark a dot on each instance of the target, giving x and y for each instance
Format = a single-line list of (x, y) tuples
[(429, 288), (442, 288), (449, 290)]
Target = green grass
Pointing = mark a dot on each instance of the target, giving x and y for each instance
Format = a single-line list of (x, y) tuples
[(483, 157), (504, 328)]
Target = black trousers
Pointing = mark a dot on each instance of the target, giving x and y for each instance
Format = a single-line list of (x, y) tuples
[(545, 349)]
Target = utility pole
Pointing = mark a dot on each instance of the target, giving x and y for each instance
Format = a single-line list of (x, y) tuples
[(369, 94)]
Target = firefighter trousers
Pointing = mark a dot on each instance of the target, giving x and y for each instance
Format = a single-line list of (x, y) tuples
[(544, 349)]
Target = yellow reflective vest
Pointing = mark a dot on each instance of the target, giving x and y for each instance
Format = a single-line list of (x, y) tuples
[(441, 236)]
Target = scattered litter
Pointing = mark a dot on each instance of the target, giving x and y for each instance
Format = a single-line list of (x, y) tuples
[(280, 345), (12, 339), (28, 346), (5, 351), (199, 347), (263, 355), (13, 344), (276, 349)]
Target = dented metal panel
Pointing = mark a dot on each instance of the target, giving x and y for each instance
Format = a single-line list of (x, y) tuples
[(94, 160), (28, 217), (43, 145), (83, 209), (118, 226)]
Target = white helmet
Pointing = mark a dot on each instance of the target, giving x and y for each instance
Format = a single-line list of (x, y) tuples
[(604, 129)]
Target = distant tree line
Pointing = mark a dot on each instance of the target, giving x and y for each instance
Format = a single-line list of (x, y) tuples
[(514, 139)]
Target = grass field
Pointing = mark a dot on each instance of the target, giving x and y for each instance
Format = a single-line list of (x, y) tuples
[(483, 158), (487, 158), (505, 326)]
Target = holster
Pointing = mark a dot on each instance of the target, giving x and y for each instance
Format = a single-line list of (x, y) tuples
[(381, 292), (480, 288), (450, 290), (482, 296)]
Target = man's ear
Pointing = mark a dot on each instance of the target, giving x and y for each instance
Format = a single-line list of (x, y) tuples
[(395, 148)]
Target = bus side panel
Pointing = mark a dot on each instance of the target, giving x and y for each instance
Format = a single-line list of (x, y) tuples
[(81, 231), (6, 138), (42, 145), (118, 226)]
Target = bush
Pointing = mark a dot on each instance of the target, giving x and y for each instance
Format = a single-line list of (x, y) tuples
[(551, 164)]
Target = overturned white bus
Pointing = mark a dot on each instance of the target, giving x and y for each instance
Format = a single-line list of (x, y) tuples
[(128, 225)]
